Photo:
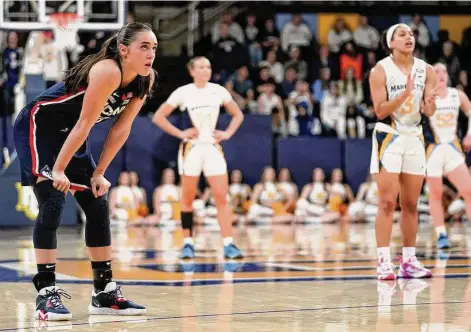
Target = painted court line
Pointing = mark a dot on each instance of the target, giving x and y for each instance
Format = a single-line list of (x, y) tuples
[(248, 313)]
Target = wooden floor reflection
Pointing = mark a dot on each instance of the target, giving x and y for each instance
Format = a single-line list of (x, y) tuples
[(294, 278)]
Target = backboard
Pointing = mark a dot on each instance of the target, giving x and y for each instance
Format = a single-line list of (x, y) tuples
[(34, 14)]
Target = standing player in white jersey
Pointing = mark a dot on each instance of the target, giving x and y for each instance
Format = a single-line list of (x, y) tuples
[(402, 88), (444, 153), (200, 150)]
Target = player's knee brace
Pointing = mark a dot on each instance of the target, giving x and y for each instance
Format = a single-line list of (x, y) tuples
[(51, 204), (97, 228)]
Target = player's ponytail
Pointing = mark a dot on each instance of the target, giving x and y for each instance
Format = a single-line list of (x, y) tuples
[(77, 77)]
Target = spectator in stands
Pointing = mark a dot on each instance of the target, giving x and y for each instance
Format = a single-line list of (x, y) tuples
[(268, 201), (350, 58), (423, 34), (297, 63), (312, 205), (276, 68), (466, 48), (338, 35), (233, 29), (229, 54), (365, 36), (287, 186), (11, 64), (371, 62), (356, 125), (326, 60), (262, 81), (251, 40), (435, 50), (303, 123), (54, 60), (365, 207), (463, 82), (251, 30), (241, 88), (295, 33), (269, 100), (451, 61), (140, 194), (340, 193), (239, 193), (269, 36), (351, 87), (333, 112), (123, 206), (301, 95), (322, 84), (289, 83), (166, 199)]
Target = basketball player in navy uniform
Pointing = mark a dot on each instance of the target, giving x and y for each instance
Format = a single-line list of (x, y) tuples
[(51, 140)]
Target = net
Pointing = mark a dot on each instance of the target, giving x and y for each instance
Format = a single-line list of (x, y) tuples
[(66, 26)]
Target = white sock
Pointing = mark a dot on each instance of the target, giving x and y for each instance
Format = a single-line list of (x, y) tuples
[(228, 240), (408, 252), (384, 253), (188, 240), (440, 230)]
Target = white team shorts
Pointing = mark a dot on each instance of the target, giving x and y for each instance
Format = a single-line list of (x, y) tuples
[(443, 158), (398, 153), (201, 157)]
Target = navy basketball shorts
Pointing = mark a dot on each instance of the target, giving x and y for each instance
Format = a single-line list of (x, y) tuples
[(39, 135)]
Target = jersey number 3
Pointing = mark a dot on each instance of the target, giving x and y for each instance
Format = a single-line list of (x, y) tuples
[(408, 105), (445, 120)]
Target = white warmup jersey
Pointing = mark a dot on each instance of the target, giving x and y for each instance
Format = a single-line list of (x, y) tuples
[(444, 151), (398, 144), (407, 118), (444, 121), (203, 104)]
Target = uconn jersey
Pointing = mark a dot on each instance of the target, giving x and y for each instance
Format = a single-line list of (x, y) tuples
[(398, 144), (44, 124), (443, 148)]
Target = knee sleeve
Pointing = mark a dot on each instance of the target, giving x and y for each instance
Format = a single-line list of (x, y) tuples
[(51, 203), (97, 228)]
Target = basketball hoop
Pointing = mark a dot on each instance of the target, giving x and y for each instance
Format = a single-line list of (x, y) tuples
[(66, 26)]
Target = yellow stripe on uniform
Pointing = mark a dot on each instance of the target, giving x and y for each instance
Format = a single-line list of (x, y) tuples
[(186, 148), (219, 147), (456, 144), (385, 144)]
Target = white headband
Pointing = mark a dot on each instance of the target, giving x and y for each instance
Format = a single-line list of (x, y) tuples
[(391, 30)]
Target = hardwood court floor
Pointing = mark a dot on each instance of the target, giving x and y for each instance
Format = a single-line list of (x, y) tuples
[(295, 278)]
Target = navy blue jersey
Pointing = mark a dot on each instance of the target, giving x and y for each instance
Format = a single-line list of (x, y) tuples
[(57, 102), (44, 124)]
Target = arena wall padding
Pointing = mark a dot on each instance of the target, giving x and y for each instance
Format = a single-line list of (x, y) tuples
[(302, 155), (357, 161), (14, 215)]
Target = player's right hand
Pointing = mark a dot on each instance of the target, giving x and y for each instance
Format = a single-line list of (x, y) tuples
[(467, 143), (60, 181), (189, 134)]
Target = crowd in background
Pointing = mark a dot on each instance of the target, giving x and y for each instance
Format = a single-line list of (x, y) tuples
[(312, 89)]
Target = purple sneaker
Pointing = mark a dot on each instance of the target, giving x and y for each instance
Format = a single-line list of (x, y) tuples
[(412, 268)]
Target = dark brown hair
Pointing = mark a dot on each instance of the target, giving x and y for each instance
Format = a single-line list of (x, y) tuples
[(77, 77)]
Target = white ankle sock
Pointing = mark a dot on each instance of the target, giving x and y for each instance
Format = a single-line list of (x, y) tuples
[(228, 240), (408, 252), (188, 240), (440, 230), (384, 253)]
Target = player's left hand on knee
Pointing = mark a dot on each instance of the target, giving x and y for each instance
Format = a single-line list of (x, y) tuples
[(100, 185), (220, 136)]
